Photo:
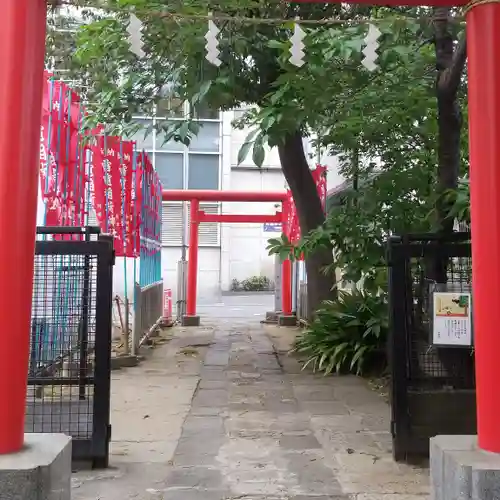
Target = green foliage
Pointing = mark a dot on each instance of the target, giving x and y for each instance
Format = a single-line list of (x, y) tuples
[(347, 335), (358, 228), (459, 199), (252, 284)]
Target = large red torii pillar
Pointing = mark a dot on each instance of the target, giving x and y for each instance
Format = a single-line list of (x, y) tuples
[(197, 216), (22, 47), (483, 48)]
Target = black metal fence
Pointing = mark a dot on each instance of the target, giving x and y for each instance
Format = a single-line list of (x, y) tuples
[(433, 387), (69, 366)]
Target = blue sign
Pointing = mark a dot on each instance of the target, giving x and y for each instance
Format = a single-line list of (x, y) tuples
[(272, 227)]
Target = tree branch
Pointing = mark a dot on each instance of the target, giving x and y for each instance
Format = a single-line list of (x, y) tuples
[(450, 78)]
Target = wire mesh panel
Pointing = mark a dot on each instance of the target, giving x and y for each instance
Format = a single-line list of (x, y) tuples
[(433, 386), (431, 366), (68, 379)]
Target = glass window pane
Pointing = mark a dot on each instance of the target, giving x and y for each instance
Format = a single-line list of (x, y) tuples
[(170, 107), (144, 142), (167, 146), (208, 138), (203, 172), (202, 111), (170, 169)]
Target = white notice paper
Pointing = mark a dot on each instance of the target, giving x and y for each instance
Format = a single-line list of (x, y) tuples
[(452, 323)]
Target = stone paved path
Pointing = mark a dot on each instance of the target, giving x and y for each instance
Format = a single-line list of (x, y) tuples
[(222, 413)]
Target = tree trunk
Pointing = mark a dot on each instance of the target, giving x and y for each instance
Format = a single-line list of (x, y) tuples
[(450, 62), (449, 115), (311, 215), (449, 122)]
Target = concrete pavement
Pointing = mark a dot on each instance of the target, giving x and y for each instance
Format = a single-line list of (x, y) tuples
[(221, 412)]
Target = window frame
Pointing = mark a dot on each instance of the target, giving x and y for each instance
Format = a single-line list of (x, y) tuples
[(186, 152)]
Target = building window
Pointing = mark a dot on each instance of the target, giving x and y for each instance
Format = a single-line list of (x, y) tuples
[(179, 167), (205, 113), (171, 145), (170, 107), (208, 138), (172, 225), (203, 171), (170, 168), (144, 137)]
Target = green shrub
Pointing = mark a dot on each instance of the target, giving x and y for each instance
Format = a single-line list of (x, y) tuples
[(348, 335), (256, 284)]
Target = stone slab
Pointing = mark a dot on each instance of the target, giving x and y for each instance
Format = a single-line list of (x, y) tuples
[(287, 320), (190, 321), (272, 316), (462, 471), (128, 361), (40, 471)]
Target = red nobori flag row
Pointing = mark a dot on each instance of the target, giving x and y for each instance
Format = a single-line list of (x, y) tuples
[(62, 170), (105, 171)]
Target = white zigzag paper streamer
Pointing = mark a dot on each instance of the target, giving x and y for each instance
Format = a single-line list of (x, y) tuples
[(370, 51), (134, 31), (212, 45), (297, 47)]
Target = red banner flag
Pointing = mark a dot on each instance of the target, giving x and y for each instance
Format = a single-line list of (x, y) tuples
[(114, 204), (293, 231), (62, 176)]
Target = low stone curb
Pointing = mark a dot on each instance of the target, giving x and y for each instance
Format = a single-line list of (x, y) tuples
[(127, 361)]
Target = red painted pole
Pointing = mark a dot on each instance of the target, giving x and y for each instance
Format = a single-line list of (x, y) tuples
[(286, 267), (22, 44), (192, 277), (286, 285), (483, 44)]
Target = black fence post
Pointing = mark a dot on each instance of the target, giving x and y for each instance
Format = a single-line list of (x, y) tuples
[(102, 372), (398, 347), (83, 333)]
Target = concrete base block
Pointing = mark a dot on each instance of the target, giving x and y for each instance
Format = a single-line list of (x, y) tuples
[(272, 316), (40, 471), (461, 471), (190, 321), (287, 320)]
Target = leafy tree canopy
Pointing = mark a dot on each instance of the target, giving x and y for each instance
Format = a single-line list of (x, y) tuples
[(385, 120)]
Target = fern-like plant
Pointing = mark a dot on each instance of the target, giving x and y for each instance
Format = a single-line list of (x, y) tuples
[(348, 335)]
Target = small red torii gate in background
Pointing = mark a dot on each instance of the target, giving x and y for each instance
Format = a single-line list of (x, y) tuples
[(197, 216)]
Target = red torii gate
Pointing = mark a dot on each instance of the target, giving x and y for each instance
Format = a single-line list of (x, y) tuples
[(22, 42), (197, 216)]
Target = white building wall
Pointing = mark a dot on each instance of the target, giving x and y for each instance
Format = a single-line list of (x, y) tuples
[(243, 246)]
